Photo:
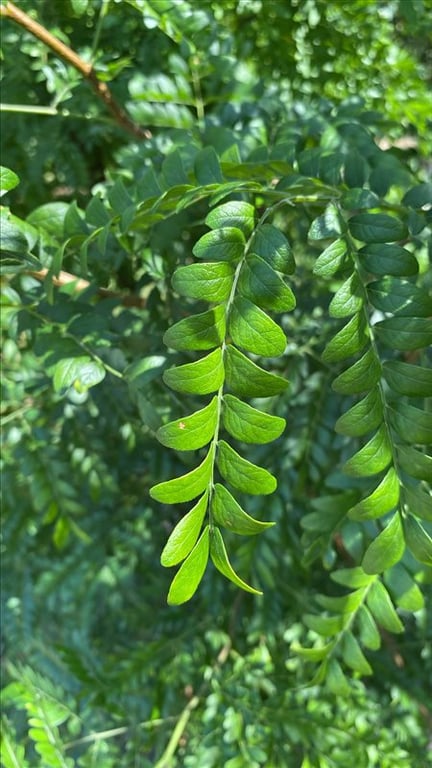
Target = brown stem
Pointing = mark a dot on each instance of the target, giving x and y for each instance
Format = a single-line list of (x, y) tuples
[(64, 278), (12, 12)]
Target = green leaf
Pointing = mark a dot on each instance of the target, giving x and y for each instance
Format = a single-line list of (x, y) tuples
[(348, 299), (329, 225), (368, 631), (377, 228), (331, 259), (418, 196), (262, 285), (188, 577), (210, 282), (415, 463), (375, 456), (407, 379), (325, 625), (253, 330), (80, 372), (390, 294), (248, 424), (200, 378), (13, 239), (352, 577), (271, 245), (359, 198), (404, 590), (353, 655), (247, 379), (228, 513), (388, 260), (203, 331), (8, 180), (313, 654), (344, 604), (360, 377), (412, 424), (186, 487), (382, 500), (185, 535), (242, 474), (349, 340), (207, 168), (381, 607), (418, 540), (233, 214), (226, 244), (219, 556), (336, 681), (191, 432), (362, 417), (387, 549), (418, 503)]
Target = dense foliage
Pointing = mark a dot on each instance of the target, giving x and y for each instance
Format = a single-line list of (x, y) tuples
[(216, 352)]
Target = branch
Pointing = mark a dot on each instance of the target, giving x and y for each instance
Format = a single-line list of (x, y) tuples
[(11, 11), (64, 278)]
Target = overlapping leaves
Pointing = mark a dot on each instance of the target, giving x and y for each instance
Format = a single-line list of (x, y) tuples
[(240, 272)]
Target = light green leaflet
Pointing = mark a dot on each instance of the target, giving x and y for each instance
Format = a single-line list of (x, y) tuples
[(383, 499), (204, 281), (254, 331), (242, 474), (189, 575), (236, 213), (248, 424), (375, 456), (331, 259), (271, 245), (222, 245), (262, 285), (227, 512), (351, 339), (203, 331), (190, 432), (200, 378), (360, 377), (219, 556), (246, 379), (185, 487), (387, 549), (348, 299), (382, 608), (364, 416), (185, 534)]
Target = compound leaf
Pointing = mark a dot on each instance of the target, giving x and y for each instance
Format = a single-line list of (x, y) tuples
[(190, 432), (418, 540), (348, 299), (349, 340), (253, 330), (359, 377), (248, 424), (331, 259), (226, 244), (200, 378), (262, 285), (271, 245), (377, 228), (236, 213), (388, 260), (247, 379), (362, 417), (387, 549), (405, 333), (375, 456), (203, 331), (186, 487), (407, 379), (379, 603), (210, 282), (382, 500)]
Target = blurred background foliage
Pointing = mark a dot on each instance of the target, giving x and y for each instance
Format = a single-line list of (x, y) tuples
[(98, 671)]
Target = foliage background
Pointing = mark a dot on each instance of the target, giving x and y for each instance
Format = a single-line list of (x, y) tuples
[(98, 670)]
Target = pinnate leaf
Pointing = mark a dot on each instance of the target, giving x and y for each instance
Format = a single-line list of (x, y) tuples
[(405, 333), (185, 534), (359, 377), (220, 559), (331, 259), (351, 339), (384, 259), (228, 513), (188, 577), (329, 224), (348, 299), (379, 603), (242, 474), (362, 417), (353, 655), (415, 463), (418, 502), (377, 228), (418, 540), (407, 379), (368, 630), (391, 294), (411, 423)]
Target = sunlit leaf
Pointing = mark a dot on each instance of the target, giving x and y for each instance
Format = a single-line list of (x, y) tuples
[(188, 577), (190, 432), (220, 559), (387, 549), (228, 513), (185, 534), (186, 487), (242, 474), (248, 424)]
